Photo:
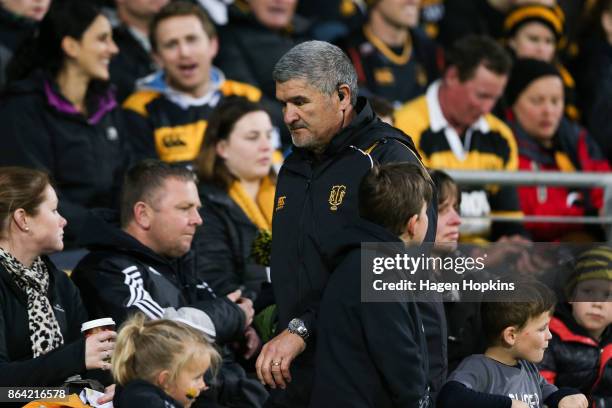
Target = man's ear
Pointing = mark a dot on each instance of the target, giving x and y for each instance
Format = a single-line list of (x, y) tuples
[(509, 335), (214, 47), (143, 214), (344, 96), (451, 75), (158, 61), (70, 46)]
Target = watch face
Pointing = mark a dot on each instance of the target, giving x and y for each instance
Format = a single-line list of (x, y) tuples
[(297, 326)]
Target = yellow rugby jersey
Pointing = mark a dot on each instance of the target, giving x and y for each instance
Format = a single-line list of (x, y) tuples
[(163, 126), (487, 145)]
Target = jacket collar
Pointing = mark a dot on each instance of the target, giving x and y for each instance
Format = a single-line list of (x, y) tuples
[(563, 142), (157, 82), (105, 103), (565, 326)]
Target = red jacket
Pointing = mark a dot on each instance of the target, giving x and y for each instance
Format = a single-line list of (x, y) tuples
[(573, 150), (574, 359)]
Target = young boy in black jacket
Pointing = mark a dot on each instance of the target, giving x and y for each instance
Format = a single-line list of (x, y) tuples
[(372, 354)]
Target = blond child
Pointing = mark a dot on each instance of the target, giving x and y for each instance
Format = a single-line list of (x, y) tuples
[(160, 363)]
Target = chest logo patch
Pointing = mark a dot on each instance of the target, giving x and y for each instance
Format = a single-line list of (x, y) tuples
[(336, 195), (384, 76), (280, 204)]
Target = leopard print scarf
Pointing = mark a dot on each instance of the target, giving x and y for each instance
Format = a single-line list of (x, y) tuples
[(45, 332)]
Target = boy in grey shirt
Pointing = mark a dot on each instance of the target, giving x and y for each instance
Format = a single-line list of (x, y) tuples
[(506, 375)]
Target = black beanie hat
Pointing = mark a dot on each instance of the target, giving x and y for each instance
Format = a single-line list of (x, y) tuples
[(524, 72)]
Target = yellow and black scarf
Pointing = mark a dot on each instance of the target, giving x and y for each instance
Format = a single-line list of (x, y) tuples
[(259, 211)]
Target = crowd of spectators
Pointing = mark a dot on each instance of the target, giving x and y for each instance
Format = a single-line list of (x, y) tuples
[(149, 124), (169, 71)]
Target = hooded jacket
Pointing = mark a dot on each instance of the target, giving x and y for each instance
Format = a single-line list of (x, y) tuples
[(366, 350), (120, 276), (574, 359), (17, 365), (85, 156)]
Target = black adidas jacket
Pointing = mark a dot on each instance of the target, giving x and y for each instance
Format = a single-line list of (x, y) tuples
[(120, 276)]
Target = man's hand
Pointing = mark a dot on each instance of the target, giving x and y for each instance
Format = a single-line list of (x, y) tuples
[(246, 305), (275, 359), (243, 303), (574, 401), (252, 342), (234, 296)]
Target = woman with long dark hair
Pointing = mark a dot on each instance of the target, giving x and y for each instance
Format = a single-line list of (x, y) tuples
[(237, 186), (58, 113)]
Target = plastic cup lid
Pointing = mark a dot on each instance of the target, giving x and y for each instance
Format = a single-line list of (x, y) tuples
[(106, 321)]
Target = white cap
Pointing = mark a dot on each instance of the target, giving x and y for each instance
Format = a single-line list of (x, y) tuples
[(106, 321), (193, 317)]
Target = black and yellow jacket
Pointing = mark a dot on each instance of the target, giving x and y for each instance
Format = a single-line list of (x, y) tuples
[(169, 125), (397, 74), (487, 145)]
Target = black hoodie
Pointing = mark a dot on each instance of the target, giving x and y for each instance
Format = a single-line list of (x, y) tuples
[(369, 354), (120, 275)]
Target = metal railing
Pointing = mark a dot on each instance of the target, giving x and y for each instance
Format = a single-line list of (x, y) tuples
[(545, 178)]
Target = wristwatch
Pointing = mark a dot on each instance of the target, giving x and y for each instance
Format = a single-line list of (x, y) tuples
[(297, 326)]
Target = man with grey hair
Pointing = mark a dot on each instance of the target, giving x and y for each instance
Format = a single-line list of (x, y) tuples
[(337, 138)]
